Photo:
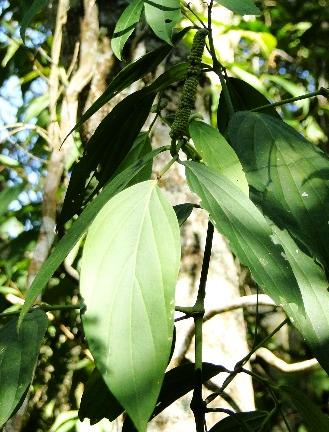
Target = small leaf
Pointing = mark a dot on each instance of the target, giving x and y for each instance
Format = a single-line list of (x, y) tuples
[(313, 417), (18, 357), (129, 269), (286, 175), (126, 25), (162, 16), (240, 7), (9, 195), (244, 98), (241, 422), (183, 211), (29, 14), (235, 216), (78, 228), (216, 153)]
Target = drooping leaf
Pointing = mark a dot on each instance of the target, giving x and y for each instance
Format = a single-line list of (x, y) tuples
[(241, 422), (235, 216), (162, 16), (313, 417), (79, 227), (141, 146), (97, 401), (286, 175), (313, 284), (18, 357), (244, 97), (107, 148), (29, 13), (9, 195), (126, 25), (177, 382), (183, 211), (240, 7), (129, 269), (217, 153)]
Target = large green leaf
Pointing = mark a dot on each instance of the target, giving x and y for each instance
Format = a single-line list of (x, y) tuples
[(288, 175), (106, 149), (18, 357), (235, 216), (313, 284), (313, 417), (9, 195), (244, 97), (217, 153), (177, 382), (29, 14), (162, 16), (126, 25), (241, 7), (241, 422), (129, 269), (79, 227)]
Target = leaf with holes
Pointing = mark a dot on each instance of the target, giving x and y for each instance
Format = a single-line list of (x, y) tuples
[(162, 16), (126, 25), (129, 269), (18, 356)]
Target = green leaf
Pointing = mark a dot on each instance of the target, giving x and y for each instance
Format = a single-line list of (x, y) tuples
[(216, 153), (97, 401), (126, 25), (235, 216), (183, 211), (8, 161), (106, 149), (9, 195), (162, 16), (129, 268), (240, 7), (244, 98), (28, 15), (313, 417), (18, 357), (241, 422), (78, 228), (313, 284), (141, 146), (288, 176), (177, 382)]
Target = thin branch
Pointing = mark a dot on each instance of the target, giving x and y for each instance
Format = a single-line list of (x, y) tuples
[(44, 307), (20, 126), (322, 92), (283, 366)]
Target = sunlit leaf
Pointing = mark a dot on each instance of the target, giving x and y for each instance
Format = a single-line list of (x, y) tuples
[(129, 269), (162, 16), (18, 357), (235, 216), (313, 417), (217, 153), (78, 228), (126, 25), (240, 7), (288, 175)]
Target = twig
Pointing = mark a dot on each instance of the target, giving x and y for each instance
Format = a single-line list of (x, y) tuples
[(18, 127), (283, 366), (322, 92), (44, 307)]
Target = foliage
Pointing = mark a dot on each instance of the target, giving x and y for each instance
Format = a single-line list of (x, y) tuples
[(264, 186)]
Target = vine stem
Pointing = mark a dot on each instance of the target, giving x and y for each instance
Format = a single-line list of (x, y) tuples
[(45, 308), (321, 92), (197, 403)]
